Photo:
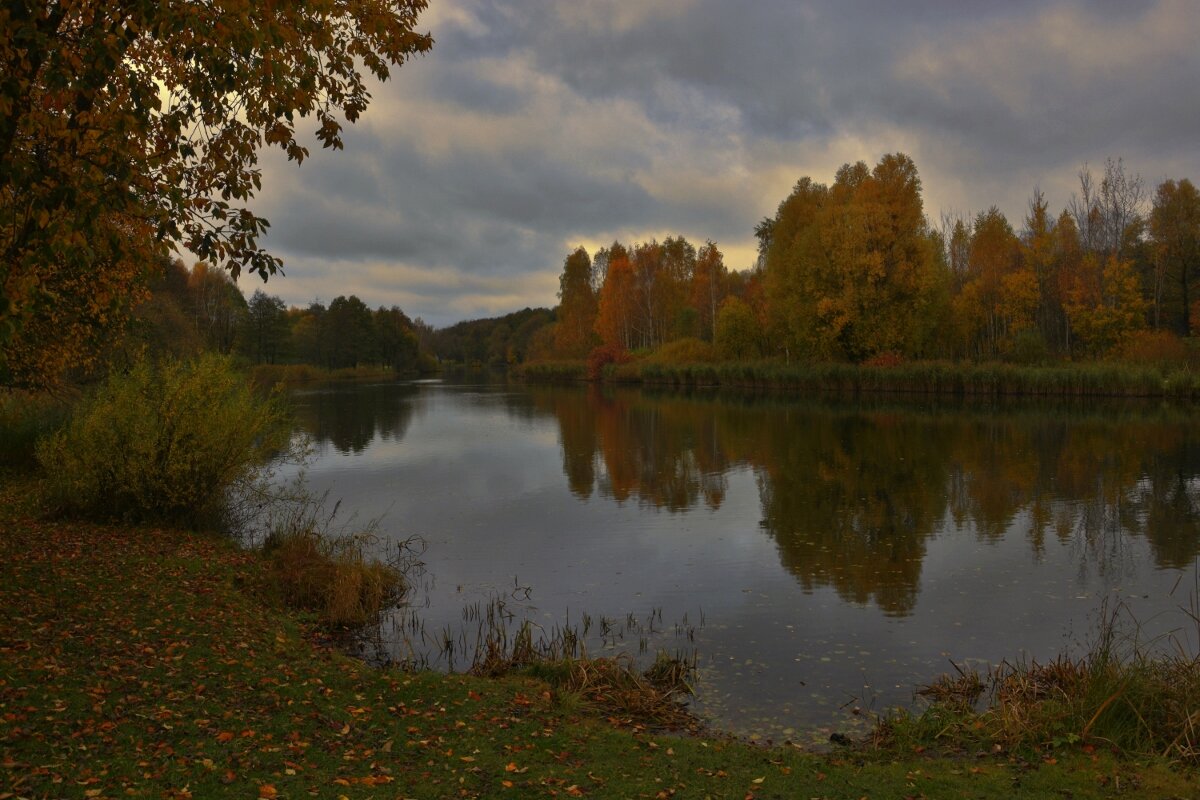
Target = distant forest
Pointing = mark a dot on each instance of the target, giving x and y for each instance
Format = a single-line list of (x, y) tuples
[(188, 311), (856, 272)]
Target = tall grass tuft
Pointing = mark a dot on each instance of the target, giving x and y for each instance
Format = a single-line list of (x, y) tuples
[(328, 571), (1121, 694), (162, 443)]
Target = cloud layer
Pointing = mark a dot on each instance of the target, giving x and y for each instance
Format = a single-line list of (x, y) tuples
[(535, 127)]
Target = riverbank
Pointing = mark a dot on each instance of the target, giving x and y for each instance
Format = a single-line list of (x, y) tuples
[(142, 662), (932, 377), (292, 375)]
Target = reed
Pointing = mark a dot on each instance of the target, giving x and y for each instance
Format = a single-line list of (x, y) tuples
[(1138, 699), (929, 377), (326, 566), (269, 375), (551, 371)]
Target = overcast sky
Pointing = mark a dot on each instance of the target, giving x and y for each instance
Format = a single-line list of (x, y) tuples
[(536, 126)]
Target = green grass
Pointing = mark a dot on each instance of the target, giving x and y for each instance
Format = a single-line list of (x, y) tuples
[(145, 662)]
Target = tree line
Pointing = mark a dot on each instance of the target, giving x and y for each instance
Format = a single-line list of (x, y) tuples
[(201, 309), (855, 271)]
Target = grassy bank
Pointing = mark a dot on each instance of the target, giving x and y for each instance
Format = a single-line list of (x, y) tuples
[(146, 662), (943, 378)]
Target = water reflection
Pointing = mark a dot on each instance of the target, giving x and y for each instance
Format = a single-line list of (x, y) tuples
[(852, 493), (351, 419)]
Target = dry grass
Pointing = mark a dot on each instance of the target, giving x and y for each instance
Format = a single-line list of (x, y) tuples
[(331, 577), (624, 693), (1122, 694), (615, 685)]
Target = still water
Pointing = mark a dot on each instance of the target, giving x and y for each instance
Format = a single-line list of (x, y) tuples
[(816, 556)]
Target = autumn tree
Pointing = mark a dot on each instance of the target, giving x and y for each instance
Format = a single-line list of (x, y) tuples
[(1175, 241), (1041, 257), (349, 332), (618, 305), (216, 305), (999, 298), (129, 126), (708, 289), (395, 339), (795, 257), (1105, 304), (1108, 214), (575, 333), (852, 270), (738, 333)]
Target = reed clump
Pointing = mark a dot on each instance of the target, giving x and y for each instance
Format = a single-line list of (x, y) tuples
[(1121, 695), (614, 684), (326, 568), (1101, 379), (332, 578)]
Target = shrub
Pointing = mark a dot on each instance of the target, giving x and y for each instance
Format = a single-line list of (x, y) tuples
[(1028, 347), (685, 351), (602, 356), (1154, 348), (162, 443), (887, 359)]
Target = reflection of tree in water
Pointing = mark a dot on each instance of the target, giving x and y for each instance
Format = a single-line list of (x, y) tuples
[(850, 500), (351, 417), (851, 495), (1086, 480), (663, 453)]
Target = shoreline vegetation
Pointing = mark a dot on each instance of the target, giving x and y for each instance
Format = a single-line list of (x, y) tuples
[(919, 377), (290, 375)]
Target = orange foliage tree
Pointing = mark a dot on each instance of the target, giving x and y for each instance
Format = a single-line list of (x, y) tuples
[(852, 269), (618, 306)]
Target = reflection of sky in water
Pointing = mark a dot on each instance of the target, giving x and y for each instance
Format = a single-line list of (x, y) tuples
[(478, 473)]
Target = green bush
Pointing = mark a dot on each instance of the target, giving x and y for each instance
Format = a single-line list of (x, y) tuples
[(162, 443), (26, 417)]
